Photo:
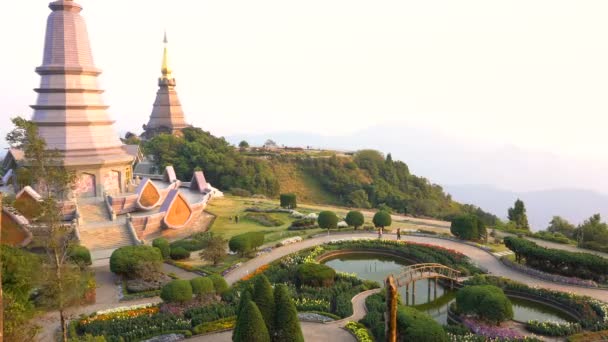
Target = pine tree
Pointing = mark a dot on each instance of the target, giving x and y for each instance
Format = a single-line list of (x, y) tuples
[(287, 325), (264, 298), (517, 215), (250, 325)]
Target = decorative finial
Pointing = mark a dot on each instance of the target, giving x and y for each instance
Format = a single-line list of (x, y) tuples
[(166, 71)]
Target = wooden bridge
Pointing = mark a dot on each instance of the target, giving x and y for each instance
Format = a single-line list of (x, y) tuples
[(431, 271)]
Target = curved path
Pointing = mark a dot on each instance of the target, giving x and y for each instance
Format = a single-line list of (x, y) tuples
[(477, 255)]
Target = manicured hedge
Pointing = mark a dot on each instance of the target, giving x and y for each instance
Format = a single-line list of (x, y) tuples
[(163, 246), (219, 283), (328, 220), (289, 201), (487, 302), (414, 325), (245, 243), (79, 255), (571, 264), (210, 313), (177, 291), (382, 219), (179, 253), (317, 275), (128, 260)]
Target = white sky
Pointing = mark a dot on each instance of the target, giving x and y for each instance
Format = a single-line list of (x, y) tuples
[(526, 72)]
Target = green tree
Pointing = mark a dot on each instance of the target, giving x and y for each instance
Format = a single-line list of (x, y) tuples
[(287, 326), (243, 301), (136, 261), (517, 215), (328, 220), (219, 283), (215, 250), (593, 233), (487, 302), (561, 225), (263, 297), (355, 219), (382, 219), (243, 145), (289, 201), (250, 325), (63, 283)]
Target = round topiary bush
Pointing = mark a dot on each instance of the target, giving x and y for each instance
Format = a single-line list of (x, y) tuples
[(179, 253), (130, 260), (202, 286), (487, 302), (177, 291), (79, 255), (415, 325), (382, 219), (355, 219), (219, 283), (315, 275), (328, 220), (163, 246)]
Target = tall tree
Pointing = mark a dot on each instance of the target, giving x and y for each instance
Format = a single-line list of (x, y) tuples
[(63, 283), (215, 250), (263, 296), (561, 225), (518, 216), (287, 326)]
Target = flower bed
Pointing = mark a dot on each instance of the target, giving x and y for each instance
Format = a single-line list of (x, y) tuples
[(215, 326), (553, 328), (491, 331), (548, 276), (121, 313), (259, 270), (359, 331), (133, 328)]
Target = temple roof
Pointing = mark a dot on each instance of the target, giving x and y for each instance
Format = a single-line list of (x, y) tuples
[(70, 111), (167, 114)]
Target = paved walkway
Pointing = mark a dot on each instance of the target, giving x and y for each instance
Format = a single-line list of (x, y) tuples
[(107, 295), (313, 332), (480, 257)]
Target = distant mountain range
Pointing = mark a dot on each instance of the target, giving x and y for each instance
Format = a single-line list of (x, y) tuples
[(572, 204), (445, 159)]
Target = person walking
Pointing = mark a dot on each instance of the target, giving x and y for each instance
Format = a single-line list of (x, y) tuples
[(380, 233), (398, 233)]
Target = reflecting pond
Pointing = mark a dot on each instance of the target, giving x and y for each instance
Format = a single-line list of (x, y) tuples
[(428, 298)]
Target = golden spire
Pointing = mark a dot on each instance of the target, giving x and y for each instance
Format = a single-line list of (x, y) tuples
[(166, 71)]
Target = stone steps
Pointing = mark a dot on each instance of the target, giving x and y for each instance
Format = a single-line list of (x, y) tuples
[(105, 237), (93, 211)]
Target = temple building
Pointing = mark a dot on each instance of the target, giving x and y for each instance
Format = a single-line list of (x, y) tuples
[(167, 114), (70, 112)]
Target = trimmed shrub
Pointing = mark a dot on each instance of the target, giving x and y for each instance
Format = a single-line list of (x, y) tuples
[(250, 326), (263, 296), (219, 283), (487, 302), (287, 326), (382, 219), (289, 201), (466, 227), (315, 275), (130, 260), (202, 286), (328, 220), (355, 219), (79, 255), (163, 246), (179, 253), (245, 243), (414, 325), (177, 291)]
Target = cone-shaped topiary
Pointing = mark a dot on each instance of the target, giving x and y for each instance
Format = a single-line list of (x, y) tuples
[(287, 326), (250, 325), (245, 298), (263, 296)]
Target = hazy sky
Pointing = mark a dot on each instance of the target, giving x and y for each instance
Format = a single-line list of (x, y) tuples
[(525, 72)]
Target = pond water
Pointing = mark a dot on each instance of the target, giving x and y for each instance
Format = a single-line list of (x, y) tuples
[(428, 298)]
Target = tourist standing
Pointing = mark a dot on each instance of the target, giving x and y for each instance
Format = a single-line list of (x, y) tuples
[(380, 233), (398, 233)]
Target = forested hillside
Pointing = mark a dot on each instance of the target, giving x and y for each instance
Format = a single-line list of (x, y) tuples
[(367, 179)]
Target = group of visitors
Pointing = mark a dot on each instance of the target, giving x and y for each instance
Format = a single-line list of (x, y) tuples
[(381, 231)]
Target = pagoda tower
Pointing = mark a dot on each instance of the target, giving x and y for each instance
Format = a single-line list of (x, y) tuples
[(167, 114), (70, 112)]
